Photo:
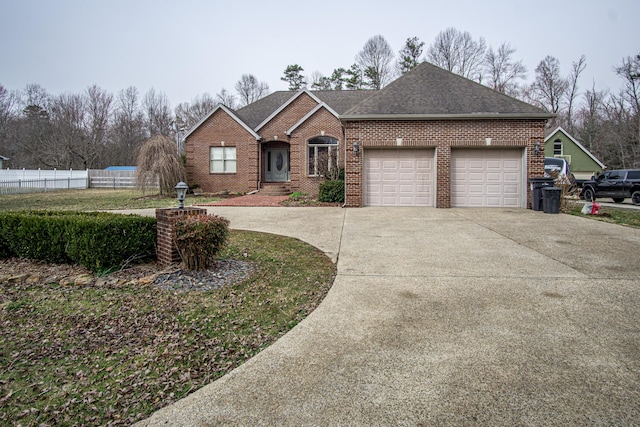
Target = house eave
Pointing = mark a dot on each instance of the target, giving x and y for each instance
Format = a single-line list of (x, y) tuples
[(230, 113), (468, 116)]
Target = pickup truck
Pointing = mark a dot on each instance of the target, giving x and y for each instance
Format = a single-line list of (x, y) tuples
[(617, 184)]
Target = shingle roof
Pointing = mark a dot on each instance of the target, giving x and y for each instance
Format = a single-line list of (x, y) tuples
[(339, 100), (430, 91)]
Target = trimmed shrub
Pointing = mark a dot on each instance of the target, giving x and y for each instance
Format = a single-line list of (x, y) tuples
[(96, 240), (108, 241), (331, 191), (199, 238)]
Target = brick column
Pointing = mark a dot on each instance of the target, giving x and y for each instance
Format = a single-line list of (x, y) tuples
[(443, 178), (167, 253)]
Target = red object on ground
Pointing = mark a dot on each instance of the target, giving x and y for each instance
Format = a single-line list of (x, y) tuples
[(595, 208)]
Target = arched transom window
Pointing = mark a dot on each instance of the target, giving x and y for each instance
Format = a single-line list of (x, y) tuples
[(323, 155)]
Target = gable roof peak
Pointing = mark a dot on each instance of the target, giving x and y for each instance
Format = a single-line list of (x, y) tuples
[(227, 110)]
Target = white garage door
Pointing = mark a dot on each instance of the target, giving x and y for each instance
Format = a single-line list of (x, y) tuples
[(398, 177), (486, 178)]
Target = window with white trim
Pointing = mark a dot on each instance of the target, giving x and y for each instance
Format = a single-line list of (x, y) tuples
[(557, 147), (322, 155), (222, 160)]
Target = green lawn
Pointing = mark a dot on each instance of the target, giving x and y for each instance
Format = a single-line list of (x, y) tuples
[(621, 216)]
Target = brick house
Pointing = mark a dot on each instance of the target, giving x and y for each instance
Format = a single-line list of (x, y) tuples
[(430, 138)]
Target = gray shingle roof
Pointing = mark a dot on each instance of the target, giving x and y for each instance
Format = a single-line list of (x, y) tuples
[(339, 100), (430, 91)]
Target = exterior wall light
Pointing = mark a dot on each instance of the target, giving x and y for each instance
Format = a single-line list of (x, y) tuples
[(356, 149), (536, 148), (181, 193)]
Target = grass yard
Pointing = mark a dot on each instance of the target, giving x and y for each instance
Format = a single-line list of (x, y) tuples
[(116, 351), (93, 199), (620, 216)]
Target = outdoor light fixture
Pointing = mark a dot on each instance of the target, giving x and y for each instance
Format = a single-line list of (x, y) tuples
[(181, 193), (356, 149), (536, 148)]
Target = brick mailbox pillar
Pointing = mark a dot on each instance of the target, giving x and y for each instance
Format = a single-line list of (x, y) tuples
[(165, 219)]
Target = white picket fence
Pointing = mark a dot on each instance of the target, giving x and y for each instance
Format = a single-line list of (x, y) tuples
[(14, 181)]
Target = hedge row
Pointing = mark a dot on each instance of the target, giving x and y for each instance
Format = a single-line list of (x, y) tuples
[(97, 240)]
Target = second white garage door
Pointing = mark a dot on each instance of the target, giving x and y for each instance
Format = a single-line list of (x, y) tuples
[(486, 178), (398, 177)]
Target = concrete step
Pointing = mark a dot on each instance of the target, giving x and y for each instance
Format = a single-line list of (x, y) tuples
[(274, 189)]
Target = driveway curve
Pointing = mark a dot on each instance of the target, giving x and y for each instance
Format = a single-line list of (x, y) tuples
[(445, 317)]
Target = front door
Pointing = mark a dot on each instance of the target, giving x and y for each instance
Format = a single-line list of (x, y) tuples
[(277, 165)]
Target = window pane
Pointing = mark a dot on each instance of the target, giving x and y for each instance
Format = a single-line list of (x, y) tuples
[(216, 153), (217, 166), (230, 166), (230, 153), (312, 161)]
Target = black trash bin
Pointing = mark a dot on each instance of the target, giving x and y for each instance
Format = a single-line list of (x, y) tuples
[(551, 200), (537, 185)]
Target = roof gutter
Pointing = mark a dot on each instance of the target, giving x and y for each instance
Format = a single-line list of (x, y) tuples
[(469, 116)]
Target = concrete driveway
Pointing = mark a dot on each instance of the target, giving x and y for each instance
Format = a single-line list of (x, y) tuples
[(445, 317)]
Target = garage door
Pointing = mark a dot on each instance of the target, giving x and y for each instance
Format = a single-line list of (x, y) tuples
[(398, 177), (486, 178)]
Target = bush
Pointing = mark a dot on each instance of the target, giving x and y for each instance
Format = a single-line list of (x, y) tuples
[(98, 241), (332, 191), (199, 238)]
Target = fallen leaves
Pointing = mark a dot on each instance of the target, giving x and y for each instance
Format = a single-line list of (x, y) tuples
[(112, 350)]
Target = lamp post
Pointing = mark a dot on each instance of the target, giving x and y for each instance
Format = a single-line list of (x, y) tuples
[(181, 193)]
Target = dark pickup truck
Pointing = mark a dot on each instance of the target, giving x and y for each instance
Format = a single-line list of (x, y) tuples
[(617, 184)]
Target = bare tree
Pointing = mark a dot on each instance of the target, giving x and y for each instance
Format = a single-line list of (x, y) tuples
[(457, 52), (250, 89), (226, 98), (98, 119), (502, 71), (128, 131), (317, 81), (67, 114), (629, 71), (8, 118), (410, 55), (188, 114), (591, 121), (572, 89), (158, 113), (549, 87), (375, 60), (34, 129)]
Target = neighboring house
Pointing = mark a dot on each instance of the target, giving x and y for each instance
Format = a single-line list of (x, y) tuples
[(2, 160), (582, 163), (430, 138)]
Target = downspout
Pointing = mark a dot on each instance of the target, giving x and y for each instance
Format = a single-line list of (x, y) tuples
[(259, 166), (344, 138)]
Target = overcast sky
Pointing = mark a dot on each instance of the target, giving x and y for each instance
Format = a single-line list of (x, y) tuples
[(189, 47)]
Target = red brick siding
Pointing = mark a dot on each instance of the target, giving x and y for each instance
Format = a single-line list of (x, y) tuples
[(222, 127), (166, 251), (322, 123), (443, 135)]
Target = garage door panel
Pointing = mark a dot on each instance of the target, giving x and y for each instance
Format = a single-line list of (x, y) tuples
[(398, 177), (486, 177)]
